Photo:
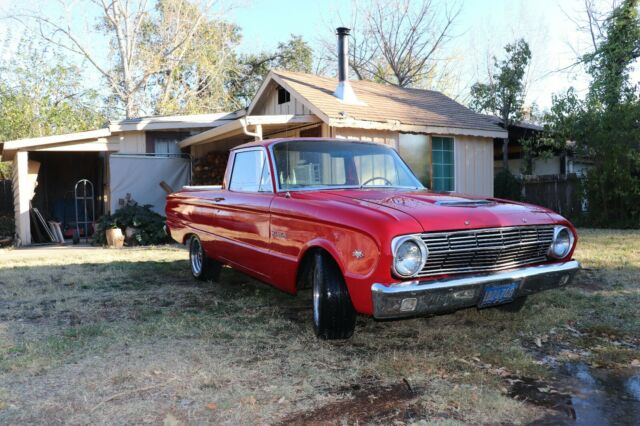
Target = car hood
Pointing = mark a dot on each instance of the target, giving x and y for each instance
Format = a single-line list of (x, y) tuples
[(448, 211)]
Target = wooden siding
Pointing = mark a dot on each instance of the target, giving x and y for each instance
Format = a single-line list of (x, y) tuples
[(130, 142), (269, 105), (380, 136), (474, 165), (473, 157)]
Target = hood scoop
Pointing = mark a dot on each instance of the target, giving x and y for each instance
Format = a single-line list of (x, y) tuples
[(464, 203)]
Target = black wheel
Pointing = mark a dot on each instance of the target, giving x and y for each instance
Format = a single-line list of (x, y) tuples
[(515, 306), (333, 313), (202, 267)]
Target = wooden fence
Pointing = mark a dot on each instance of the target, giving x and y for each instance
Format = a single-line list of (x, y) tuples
[(560, 193), (6, 197)]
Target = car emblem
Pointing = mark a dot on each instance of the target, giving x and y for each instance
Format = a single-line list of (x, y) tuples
[(358, 254), (467, 222), (524, 220)]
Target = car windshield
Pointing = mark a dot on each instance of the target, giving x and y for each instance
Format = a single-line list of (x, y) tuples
[(339, 164)]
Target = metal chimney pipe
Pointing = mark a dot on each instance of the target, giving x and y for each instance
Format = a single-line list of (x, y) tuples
[(344, 92), (343, 52)]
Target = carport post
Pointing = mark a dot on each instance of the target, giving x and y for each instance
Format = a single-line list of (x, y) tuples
[(21, 196)]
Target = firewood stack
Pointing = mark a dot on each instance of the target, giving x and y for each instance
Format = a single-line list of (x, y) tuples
[(209, 169)]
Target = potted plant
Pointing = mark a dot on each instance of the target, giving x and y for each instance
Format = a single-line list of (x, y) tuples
[(114, 236)]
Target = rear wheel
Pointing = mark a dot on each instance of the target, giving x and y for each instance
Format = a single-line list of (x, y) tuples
[(333, 313), (515, 306), (202, 267)]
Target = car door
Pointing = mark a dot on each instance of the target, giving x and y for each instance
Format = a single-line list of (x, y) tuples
[(243, 218)]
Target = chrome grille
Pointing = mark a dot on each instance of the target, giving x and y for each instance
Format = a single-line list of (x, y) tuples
[(485, 250)]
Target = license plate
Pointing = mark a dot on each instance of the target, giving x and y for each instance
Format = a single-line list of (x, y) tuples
[(498, 294)]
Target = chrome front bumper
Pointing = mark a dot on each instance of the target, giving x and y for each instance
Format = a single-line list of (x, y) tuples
[(446, 295)]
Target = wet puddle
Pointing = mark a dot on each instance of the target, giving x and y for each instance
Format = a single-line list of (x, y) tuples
[(604, 397), (582, 395)]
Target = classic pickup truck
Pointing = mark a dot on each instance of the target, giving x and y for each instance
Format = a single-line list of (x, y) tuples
[(350, 221)]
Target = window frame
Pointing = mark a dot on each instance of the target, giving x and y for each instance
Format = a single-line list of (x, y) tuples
[(267, 163), (455, 163)]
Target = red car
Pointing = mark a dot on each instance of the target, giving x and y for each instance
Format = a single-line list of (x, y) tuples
[(351, 221)]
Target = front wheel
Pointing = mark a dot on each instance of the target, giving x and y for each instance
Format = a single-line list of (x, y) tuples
[(203, 268), (333, 313)]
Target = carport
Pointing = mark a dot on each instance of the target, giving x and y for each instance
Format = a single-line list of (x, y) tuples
[(45, 171), (132, 160)]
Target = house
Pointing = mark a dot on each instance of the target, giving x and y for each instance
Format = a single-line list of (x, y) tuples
[(125, 160), (448, 146), (554, 164)]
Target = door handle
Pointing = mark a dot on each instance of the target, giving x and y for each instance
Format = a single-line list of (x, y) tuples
[(218, 199)]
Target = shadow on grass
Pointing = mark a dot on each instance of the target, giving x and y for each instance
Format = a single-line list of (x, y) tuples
[(58, 314)]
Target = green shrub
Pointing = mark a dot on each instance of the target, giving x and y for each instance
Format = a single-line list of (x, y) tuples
[(147, 224), (7, 226), (507, 186)]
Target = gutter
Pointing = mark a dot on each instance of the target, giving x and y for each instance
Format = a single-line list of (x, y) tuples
[(410, 128)]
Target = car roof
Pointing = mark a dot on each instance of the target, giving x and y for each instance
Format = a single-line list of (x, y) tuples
[(268, 142)]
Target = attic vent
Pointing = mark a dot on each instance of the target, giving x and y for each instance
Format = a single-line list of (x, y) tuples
[(283, 96)]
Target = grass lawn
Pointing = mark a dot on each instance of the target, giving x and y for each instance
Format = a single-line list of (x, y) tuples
[(127, 336)]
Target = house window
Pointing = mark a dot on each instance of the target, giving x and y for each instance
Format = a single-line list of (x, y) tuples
[(430, 158), (415, 150), (443, 165), (164, 143), (283, 96), (167, 145)]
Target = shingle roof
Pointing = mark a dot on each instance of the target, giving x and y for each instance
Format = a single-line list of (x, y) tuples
[(386, 103), (525, 124)]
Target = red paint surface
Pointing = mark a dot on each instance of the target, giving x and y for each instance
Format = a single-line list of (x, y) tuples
[(266, 235)]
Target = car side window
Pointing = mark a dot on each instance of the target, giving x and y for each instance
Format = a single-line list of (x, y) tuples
[(250, 172)]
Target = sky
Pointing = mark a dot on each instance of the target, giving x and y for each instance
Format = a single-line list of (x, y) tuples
[(481, 30)]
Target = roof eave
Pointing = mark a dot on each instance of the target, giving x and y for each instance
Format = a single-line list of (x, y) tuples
[(30, 143), (412, 128)]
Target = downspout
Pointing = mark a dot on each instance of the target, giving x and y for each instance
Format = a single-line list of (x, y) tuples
[(257, 134)]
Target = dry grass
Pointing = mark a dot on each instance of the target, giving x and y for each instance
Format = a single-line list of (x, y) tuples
[(104, 336)]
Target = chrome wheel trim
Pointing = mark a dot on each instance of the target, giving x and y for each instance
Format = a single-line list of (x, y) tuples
[(196, 256), (316, 298)]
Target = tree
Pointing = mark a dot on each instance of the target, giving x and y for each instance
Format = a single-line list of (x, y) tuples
[(146, 46), (604, 125), (609, 64), (41, 95), (294, 55), (503, 96), (398, 42), (196, 82)]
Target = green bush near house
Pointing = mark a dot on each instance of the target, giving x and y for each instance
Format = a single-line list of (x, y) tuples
[(7, 226), (147, 226), (507, 186)]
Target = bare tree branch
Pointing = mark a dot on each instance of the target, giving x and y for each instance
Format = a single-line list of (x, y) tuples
[(398, 41)]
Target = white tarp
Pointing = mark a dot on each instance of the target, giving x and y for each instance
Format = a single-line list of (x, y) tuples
[(140, 176)]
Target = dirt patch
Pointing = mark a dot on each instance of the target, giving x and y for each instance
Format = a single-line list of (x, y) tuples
[(540, 393), (372, 403)]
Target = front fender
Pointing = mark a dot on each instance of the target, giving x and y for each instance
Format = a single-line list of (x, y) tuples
[(356, 254)]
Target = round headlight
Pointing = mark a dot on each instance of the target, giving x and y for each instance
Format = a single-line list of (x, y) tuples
[(409, 256), (562, 242)]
